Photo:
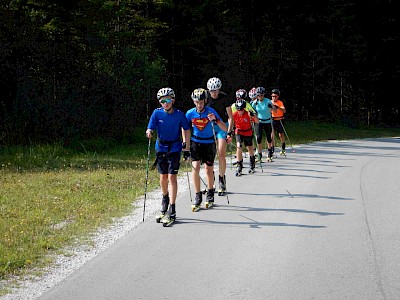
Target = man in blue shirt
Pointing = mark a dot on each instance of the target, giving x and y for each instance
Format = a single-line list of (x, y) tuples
[(202, 144), (170, 124)]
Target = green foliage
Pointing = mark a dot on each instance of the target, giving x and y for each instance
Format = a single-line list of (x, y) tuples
[(75, 70)]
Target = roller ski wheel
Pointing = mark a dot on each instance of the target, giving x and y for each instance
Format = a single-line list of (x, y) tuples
[(159, 218), (269, 159), (209, 204), (167, 222), (195, 208), (221, 192), (251, 171), (238, 173)]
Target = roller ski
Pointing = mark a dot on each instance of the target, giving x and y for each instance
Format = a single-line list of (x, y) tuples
[(210, 198), (164, 208), (197, 202), (160, 217), (259, 157), (221, 192), (252, 164), (270, 156), (282, 153), (222, 186), (169, 220), (239, 168)]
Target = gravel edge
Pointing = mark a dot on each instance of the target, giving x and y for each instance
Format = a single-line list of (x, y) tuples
[(64, 265)]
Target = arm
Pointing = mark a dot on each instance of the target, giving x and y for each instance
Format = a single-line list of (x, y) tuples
[(255, 119), (186, 139), (231, 123), (221, 125)]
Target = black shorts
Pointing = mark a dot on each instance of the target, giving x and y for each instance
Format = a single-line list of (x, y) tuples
[(247, 140), (266, 127), (203, 152), (278, 126), (168, 163)]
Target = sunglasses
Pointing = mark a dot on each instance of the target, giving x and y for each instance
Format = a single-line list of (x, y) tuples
[(165, 101)]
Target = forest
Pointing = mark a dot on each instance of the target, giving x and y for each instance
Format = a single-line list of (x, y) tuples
[(75, 70)]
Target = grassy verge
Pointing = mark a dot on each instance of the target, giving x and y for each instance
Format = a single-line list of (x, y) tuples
[(52, 197)]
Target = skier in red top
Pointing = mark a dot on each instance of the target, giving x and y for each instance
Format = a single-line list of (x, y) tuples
[(243, 120)]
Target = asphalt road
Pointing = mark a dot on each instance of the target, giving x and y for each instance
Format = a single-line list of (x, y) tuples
[(321, 223)]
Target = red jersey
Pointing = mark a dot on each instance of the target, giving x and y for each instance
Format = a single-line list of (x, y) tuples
[(243, 123)]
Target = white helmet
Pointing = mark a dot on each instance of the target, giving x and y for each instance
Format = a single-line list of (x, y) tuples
[(214, 83), (241, 94), (253, 93), (165, 92)]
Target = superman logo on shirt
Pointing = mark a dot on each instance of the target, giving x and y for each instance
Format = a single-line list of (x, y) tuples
[(200, 123)]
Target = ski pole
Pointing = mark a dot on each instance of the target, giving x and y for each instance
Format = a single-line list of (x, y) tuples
[(293, 150), (255, 139), (147, 177)]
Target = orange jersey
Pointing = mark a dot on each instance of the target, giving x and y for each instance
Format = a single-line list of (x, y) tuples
[(277, 114)]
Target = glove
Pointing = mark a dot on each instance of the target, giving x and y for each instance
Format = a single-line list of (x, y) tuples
[(276, 106), (186, 154), (269, 105), (183, 145), (251, 114)]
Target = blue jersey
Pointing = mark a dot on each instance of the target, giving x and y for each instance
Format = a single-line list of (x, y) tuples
[(201, 125), (169, 129), (262, 109)]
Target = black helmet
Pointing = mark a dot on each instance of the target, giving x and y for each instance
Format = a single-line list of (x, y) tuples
[(260, 91), (276, 91), (199, 95), (240, 104)]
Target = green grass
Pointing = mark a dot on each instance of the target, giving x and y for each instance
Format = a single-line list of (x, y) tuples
[(52, 197)]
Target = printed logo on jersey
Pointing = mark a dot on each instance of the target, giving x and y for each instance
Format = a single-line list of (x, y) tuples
[(200, 123)]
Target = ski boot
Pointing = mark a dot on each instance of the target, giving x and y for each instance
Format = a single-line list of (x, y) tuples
[(239, 168), (283, 150), (210, 198), (222, 186), (164, 208), (252, 164), (259, 156), (197, 201), (270, 155), (169, 219)]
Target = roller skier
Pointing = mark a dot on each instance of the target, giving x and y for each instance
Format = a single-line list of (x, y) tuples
[(263, 106), (202, 144), (170, 124), (242, 122), (219, 101)]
